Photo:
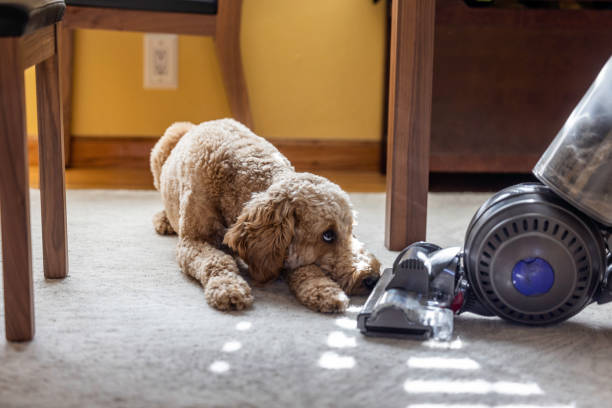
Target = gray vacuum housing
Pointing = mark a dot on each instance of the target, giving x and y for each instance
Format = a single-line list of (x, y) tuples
[(535, 253)]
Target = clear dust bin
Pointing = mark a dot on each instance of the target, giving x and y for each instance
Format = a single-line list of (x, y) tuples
[(578, 163)]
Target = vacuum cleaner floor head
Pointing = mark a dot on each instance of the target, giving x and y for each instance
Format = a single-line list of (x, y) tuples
[(413, 298)]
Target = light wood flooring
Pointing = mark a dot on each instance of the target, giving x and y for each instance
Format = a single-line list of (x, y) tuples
[(140, 179)]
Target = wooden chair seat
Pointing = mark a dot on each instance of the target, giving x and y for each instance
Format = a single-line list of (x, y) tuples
[(169, 6), (19, 17)]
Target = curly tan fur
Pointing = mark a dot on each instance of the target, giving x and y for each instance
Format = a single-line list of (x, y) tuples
[(224, 187), (161, 151)]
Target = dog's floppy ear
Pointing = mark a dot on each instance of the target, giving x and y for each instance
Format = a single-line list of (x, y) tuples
[(262, 233)]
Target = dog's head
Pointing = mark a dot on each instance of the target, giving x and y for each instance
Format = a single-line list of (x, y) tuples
[(301, 220)]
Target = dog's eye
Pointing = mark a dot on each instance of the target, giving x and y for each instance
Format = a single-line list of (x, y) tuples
[(329, 236)]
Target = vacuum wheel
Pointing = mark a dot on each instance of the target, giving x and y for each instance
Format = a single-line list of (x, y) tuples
[(532, 258)]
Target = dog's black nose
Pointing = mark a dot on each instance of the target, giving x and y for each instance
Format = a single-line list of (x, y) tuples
[(370, 282)]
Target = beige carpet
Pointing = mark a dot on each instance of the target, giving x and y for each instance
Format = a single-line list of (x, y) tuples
[(127, 329)]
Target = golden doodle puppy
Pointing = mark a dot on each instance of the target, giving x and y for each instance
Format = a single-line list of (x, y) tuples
[(228, 192)]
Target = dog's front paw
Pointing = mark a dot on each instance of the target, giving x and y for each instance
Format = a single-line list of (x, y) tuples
[(228, 293), (326, 300)]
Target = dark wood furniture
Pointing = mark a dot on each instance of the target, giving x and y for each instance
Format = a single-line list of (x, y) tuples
[(29, 33), (220, 19), (505, 78), (410, 81)]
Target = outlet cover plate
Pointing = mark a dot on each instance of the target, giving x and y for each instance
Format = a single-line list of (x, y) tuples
[(160, 61)]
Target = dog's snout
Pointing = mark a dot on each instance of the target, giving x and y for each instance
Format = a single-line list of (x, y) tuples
[(370, 282)]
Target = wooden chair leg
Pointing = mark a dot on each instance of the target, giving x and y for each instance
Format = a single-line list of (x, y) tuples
[(15, 196), (51, 164), (66, 66), (227, 41), (410, 83)]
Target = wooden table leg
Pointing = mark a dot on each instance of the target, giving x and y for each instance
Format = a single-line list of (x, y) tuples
[(410, 83), (15, 196), (51, 164)]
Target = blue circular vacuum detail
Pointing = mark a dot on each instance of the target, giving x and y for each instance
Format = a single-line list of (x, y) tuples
[(533, 276)]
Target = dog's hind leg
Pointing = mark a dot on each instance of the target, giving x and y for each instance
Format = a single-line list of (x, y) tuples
[(161, 224), (218, 273)]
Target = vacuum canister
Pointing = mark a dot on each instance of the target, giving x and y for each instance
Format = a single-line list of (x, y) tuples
[(578, 163)]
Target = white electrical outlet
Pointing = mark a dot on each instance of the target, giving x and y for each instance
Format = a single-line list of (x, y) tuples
[(160, 61)]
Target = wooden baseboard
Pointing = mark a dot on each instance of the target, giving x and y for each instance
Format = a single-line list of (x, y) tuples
[(33, 151), (330, 155), (305, 155)]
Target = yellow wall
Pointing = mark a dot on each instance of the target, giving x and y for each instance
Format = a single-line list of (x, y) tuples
[(314, 70)]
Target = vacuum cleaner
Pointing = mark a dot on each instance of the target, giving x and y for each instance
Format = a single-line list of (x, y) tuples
[(534, 253)]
